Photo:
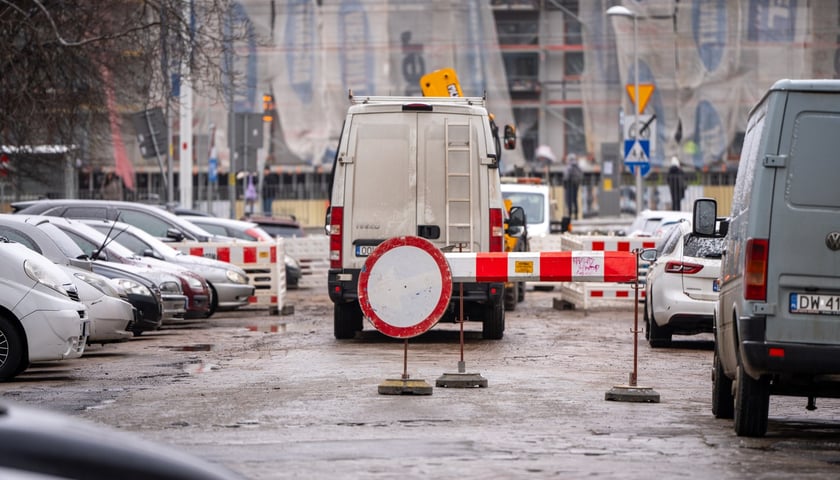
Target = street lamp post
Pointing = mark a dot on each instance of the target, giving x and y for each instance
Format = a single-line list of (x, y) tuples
[(622, 11)]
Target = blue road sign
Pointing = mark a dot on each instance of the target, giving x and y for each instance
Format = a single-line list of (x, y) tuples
[(637, 155)]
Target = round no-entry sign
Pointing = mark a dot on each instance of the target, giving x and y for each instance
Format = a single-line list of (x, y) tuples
[(405, 286)]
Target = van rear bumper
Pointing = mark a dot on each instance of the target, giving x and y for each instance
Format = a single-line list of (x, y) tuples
[(342, 286), (790, 358)]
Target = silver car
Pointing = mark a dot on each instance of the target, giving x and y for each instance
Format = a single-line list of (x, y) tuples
[(229, 282)]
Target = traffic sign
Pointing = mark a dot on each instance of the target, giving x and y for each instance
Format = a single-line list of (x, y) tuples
[(645, 91), (637, 155), (405, 286)]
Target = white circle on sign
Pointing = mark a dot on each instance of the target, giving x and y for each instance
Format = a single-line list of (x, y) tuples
[(405, 286)]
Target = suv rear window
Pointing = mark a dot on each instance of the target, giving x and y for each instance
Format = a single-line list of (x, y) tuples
[(703, 247)]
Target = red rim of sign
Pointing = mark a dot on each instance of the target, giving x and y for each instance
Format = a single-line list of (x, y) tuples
[(442, 302)]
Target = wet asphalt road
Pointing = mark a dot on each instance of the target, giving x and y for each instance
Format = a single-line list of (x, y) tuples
[(275, 397)]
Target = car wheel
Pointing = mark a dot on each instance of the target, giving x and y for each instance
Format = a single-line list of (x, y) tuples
[(723, 402), (657, 336), (646, 319), (214, 301), (510, 297), (12, 357), (493, 327), (752, 404), (347, 320)]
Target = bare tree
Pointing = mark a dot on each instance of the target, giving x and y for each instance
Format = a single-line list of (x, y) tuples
[(60, 59)]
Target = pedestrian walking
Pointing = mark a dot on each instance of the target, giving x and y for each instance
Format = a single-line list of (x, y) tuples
[(270, 186), (572, 179), (676, 183)]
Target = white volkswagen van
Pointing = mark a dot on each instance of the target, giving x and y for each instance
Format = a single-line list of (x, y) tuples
[(777, 321), (419, 166)]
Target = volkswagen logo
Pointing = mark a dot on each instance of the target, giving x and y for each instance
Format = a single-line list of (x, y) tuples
[(832, 240)]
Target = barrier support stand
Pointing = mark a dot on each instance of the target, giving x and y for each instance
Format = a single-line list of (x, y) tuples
[(632, 392), (461, 379), (405, 385)]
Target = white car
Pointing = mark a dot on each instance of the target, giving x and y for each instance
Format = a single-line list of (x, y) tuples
[(653, 223), (111, 316), (37, 311), (682, 285)]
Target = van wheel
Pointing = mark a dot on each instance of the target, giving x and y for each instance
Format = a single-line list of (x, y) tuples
[(723, 402), (347, 320), (520, 292), (493, 327), (12, 357), (510, 297), (752, 405)]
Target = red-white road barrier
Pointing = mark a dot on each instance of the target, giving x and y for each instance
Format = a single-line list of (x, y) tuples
[(566, 266), (262, 261)]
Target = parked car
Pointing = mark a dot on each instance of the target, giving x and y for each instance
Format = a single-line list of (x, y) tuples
[(185, 293), (246, 230), (154, 220), (228, 283), (653, 223), (39, 319), (682, 284), (39, 444), (111, 315), (286, 227)]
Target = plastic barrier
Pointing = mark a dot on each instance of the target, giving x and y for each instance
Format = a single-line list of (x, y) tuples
[(588, 295), (262, 261), (313, 254)]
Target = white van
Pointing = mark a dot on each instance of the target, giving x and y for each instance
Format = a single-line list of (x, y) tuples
[(777, 320), (420, 166), (534, 196)]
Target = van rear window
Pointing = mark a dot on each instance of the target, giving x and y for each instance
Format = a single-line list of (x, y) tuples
[(814, 170)]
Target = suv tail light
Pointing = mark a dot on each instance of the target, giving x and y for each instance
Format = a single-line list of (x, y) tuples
[(336, 219), (755, 269), (683, 267), (497, 230)]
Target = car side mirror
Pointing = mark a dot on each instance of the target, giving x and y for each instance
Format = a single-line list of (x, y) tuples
[(649, 255), (175, 234), (704, 217), (510, 137)]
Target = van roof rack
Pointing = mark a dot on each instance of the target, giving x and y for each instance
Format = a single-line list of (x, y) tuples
[(387, 99)]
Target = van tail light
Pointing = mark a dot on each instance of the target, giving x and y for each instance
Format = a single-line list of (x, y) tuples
[(755, 269), (497, 230), (336, 219), (682, 267)]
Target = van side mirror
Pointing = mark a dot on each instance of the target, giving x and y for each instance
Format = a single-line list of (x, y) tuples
[(517, 217), (705, 217), (510, 137)]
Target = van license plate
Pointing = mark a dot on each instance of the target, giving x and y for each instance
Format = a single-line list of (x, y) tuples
[(364, 250), (809, 303)]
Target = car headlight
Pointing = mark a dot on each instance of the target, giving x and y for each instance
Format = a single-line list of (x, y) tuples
[(292, 262), (132, 287), (39, 274), (236, 277), (170, 287), (194, 283), (99, 284)]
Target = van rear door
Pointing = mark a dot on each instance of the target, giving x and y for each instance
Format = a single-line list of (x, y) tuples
[(804, 241), (381, 182)]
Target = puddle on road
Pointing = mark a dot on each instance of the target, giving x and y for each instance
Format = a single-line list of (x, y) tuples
[(200, 347)]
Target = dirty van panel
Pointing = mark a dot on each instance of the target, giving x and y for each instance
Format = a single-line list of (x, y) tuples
[(805, 220), (447, 151), (381, 184)]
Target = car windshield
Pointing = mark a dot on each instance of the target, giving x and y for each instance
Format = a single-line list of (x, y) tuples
[(532, 203), (122, 233), (703, 247)]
